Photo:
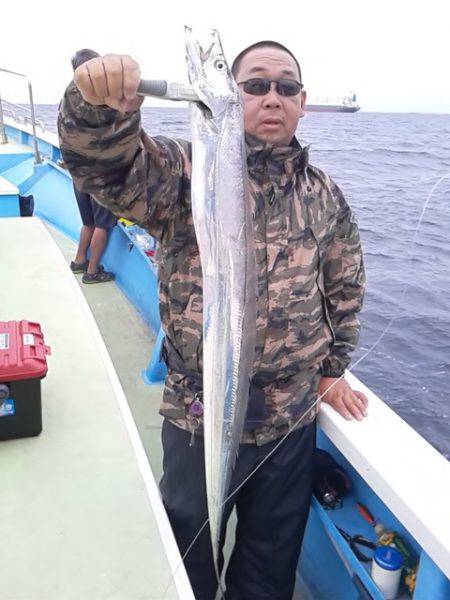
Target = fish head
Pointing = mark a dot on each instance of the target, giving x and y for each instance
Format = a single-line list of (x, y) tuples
[(209, 73)]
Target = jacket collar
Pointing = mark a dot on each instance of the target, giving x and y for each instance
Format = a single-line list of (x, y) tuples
[(262, 157)]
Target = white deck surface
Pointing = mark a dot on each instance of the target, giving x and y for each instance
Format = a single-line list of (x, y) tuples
[(13, 147), (80, 515), (7, 188)]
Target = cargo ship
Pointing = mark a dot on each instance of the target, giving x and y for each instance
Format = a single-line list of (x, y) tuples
[(348, 104)]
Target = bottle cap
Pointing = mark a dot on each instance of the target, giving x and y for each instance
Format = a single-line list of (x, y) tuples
[(379, 529), (388, 558)]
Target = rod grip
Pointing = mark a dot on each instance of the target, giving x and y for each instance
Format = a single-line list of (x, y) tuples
[(152, 87)]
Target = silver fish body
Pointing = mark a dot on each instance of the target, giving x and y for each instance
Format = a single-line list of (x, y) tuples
[(224, 229)]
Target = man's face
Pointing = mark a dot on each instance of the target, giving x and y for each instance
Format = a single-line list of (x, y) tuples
[(272, 118)]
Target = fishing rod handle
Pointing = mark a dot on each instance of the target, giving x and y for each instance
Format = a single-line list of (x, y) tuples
[(160, 88), (152, 87)]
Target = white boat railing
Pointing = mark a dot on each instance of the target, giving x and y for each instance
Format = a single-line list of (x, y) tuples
[(13, 110), (3, 138), (32, 117)]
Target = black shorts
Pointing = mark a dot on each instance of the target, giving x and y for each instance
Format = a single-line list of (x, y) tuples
[(92, 213)]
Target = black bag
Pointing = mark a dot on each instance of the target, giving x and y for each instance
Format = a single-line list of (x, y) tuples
[(26, 204)]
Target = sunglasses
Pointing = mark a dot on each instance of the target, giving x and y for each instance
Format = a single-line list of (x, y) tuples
[(260, 86)]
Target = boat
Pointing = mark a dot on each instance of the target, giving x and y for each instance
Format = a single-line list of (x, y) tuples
[(348, 104), (114, 330)]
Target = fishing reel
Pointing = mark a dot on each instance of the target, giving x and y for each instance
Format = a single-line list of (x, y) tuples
[(331, 483)]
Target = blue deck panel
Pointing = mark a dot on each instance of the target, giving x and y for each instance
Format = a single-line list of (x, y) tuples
[(23, 137), (26, 174), (19, 171), (10, 160), (55, 202), (9, 205), (134, 275), (156, 369), (431, 583), (320, 556)]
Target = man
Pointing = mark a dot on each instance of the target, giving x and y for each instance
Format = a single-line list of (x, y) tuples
[(97, 220), (310, 287)]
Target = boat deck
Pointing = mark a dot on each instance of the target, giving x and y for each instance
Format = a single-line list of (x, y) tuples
[(80, 512), (129, 342), (14, 148)]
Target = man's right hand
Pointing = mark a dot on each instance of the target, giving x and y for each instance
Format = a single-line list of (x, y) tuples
[(112, 80)]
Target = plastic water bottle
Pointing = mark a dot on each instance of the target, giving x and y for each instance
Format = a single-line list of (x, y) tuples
[(386, 570)]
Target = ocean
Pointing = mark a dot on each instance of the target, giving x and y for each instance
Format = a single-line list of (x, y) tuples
[(386, 164)]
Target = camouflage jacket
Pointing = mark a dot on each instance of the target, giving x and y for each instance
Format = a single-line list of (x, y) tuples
[(309, 259)]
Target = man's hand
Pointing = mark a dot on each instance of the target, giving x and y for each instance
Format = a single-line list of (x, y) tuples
[(342, 398), (112, 80)]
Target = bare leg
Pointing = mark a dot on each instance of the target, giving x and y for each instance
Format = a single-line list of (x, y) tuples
[(98, 243), (85, 239)]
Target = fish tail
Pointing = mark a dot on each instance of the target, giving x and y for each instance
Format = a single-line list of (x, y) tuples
[(219, 583)]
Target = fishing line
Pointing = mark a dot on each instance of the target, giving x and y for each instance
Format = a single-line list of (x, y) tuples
[(374, 345)]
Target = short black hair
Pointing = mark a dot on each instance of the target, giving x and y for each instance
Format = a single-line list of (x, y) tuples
[(263, 44), (82, 56)]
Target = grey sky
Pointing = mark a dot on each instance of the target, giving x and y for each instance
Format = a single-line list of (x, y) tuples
[(393, 54)]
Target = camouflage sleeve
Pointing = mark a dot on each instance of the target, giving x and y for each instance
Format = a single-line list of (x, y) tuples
[(344, 280), (109, 156)]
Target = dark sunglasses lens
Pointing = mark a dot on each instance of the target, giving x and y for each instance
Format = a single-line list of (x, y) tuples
[(257, 87), (288, 87)]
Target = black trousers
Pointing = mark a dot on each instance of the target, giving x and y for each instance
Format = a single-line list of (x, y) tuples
[(272, 510)]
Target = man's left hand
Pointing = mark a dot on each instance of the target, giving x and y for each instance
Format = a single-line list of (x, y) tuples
[(342, 398)]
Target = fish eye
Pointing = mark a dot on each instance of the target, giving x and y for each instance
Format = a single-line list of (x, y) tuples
[(219, 65)]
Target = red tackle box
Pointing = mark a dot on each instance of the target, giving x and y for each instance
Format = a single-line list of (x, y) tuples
[(23, 363)]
